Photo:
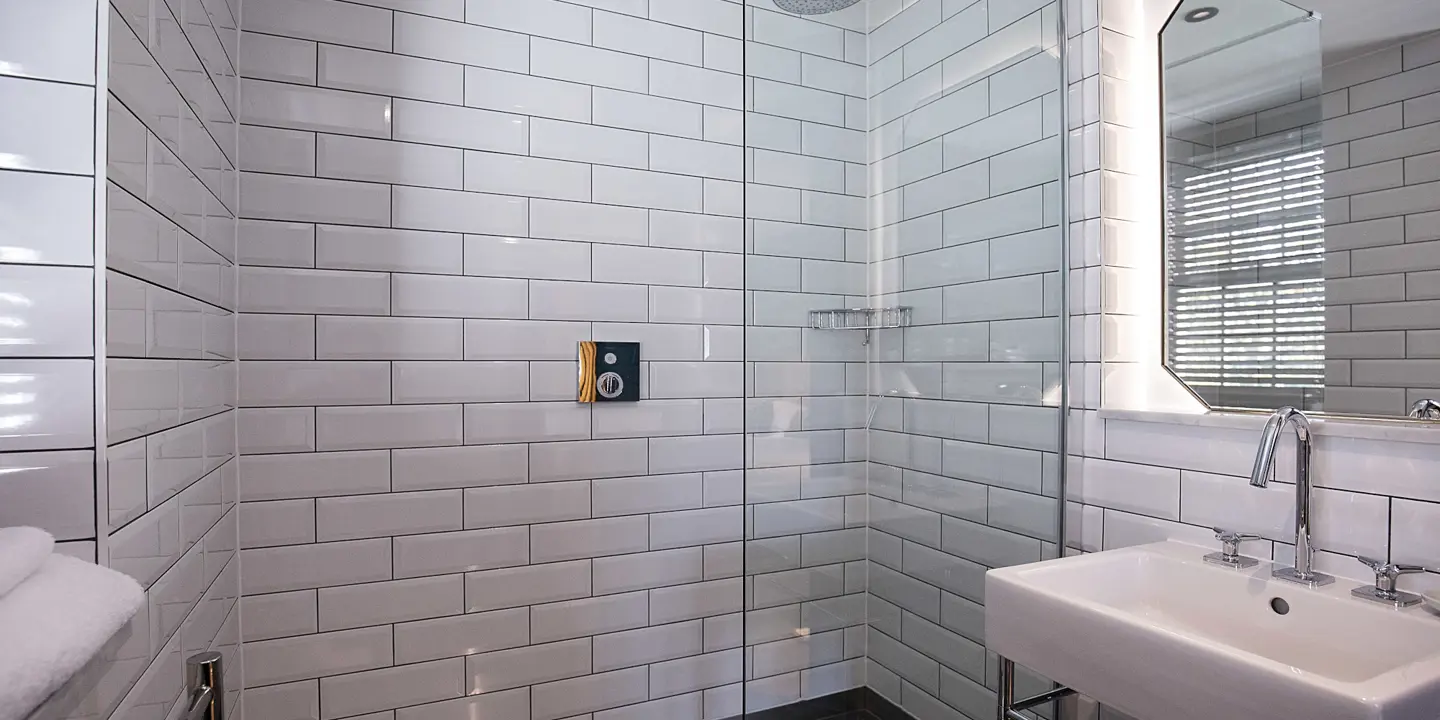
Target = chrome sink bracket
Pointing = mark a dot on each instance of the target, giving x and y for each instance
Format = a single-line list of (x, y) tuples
[(1008, 708), (1229, 555), (1383, 591)]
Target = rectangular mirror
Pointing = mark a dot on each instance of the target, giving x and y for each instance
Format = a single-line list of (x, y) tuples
[(1302, 204)]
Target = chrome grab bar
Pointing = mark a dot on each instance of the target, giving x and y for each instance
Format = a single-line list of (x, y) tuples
[(205, 683)]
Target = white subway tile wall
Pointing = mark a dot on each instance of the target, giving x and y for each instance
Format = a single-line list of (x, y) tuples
[(1373, 497), (964, 179), (439, 200), (143, 172), (442, 198), (1382, 165), (47, 264)]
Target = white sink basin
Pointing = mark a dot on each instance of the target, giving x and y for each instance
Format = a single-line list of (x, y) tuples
[(1155, 632)]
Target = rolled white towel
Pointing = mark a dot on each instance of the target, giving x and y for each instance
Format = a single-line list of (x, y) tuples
[(53, 623), (22, 549)]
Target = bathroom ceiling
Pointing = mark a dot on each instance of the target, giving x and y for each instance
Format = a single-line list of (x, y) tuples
[(1235, 21), (1252, 55), (1354, 27), (1350, 28)]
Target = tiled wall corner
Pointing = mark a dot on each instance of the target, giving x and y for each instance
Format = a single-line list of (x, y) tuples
[(155, 496), (965, 217), (439, 201), (806, 227)]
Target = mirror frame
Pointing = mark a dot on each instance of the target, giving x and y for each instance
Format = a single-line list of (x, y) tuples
[(1171, 16), (1135, 381), (1164, 153)]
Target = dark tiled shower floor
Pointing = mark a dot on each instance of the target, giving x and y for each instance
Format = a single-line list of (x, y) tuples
[(861, 704)]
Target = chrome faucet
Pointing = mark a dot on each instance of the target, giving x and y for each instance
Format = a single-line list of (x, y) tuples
[(1302, 572), (1425, 409)]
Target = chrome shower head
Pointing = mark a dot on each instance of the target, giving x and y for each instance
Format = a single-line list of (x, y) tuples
[(813, 7)]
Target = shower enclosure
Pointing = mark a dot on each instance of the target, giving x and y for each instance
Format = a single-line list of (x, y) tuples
[(349, 248), (931, 182)]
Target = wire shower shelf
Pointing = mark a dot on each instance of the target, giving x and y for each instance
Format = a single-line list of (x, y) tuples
[(866, 319)]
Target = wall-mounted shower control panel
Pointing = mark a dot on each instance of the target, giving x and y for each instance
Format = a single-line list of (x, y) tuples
[(609, 372)]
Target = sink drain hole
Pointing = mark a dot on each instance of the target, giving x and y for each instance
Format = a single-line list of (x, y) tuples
[(1279, 606)]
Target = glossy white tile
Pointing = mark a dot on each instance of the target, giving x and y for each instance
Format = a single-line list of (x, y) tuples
[(47, 126), (360, 248), (349, 695), (588, 222), (274, 477), (378, 603), (288, 152), (305, 108), (527, 95), (530, 585), (383, 161), (646, 266), (698, 85), (588, 65), (461, 127), (283, 59), (465, 551), (528, 176), (49, 311), (498, 423), (279, 197), (440, 296), (393, 514), (433, 382), (467, 44), (461, 635), (648, 113), (297, 567), (325, 20), (278, 615), (52, 491), (525, 666), (358, 428), (526, 258), (51, 41), (636, 188), (274, 661), (693, 305), (452, 211), (54, 404), (47, 218), (551, 300), (547, 18), (589, 538), (459, 467), (278, 522)]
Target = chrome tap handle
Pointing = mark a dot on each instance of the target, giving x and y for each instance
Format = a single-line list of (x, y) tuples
[(1229, 554), (1384, 589), (1425, 409), (1386, 573), (1230, 540)]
